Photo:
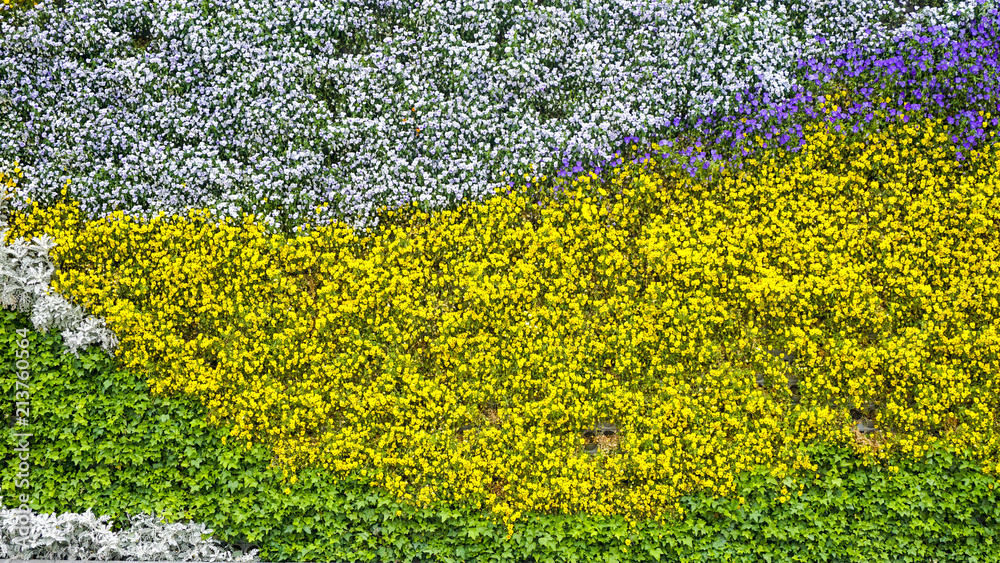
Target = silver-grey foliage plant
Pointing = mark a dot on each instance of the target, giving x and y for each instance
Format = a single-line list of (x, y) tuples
[(25, 275), (27, 535), (25, 272)]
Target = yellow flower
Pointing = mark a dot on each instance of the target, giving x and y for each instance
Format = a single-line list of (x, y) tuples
[(406, 335)]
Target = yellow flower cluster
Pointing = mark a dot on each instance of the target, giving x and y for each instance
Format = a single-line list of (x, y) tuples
[(460, 355)]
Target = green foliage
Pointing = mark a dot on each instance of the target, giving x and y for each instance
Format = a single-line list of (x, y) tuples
[(100, 441)]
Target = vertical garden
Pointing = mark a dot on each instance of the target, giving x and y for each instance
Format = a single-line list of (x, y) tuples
[(505, 281)]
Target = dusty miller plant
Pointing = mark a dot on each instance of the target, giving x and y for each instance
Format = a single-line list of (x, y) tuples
[(26, 535), (25, 275)]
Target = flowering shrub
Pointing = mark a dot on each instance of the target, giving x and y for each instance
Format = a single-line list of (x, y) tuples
[(459, 355)]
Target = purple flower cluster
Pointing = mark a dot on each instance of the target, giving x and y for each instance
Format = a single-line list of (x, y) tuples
[(933, 72), (929, 73)]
